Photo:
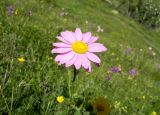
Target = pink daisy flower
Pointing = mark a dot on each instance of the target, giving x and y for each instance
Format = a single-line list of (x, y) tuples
[(77, 48)]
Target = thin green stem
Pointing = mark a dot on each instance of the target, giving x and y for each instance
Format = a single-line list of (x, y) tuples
[(69, 83), (75, 74)]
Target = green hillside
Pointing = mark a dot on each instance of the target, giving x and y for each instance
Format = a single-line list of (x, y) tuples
[(32, 87)]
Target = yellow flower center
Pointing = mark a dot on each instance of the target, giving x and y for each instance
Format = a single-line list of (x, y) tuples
[(79, 47)]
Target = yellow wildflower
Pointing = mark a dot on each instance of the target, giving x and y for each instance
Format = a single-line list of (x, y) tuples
[(60, 99), (153, 113), (21, 59)]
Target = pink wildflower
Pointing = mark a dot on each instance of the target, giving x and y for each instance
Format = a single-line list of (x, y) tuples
[(77, 48)]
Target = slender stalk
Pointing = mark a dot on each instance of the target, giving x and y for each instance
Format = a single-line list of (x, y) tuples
[(75, 74), (69, 83)]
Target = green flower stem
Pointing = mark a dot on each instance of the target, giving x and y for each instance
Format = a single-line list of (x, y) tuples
[(75, 74), (70, 84)]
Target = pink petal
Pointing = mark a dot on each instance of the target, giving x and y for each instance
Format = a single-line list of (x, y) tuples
[(89, 68), (93, 39), (99, 48), (72, 35), (93, 57), (86, 37), (78, 34), (62, 39), (95, 45), (68, 36), (61, 50), (58, 58), (78, 61), (66, 57), (86, 63), (71, 61), (61, 44)]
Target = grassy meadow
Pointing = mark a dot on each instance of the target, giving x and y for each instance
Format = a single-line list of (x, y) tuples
[(31, 87)]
